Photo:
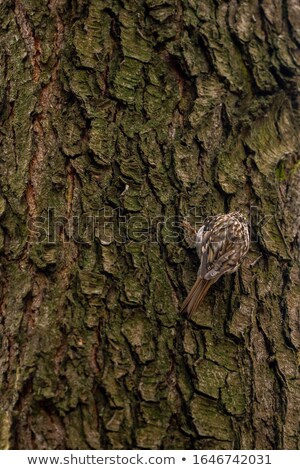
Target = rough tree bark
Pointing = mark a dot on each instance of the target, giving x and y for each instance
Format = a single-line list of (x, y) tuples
[(126, 114)]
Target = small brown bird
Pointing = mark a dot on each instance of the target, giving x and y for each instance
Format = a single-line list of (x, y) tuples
[(221, 243)]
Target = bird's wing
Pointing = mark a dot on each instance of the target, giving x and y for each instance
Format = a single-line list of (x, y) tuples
[(221, 265), (213, 247), (223, 251)]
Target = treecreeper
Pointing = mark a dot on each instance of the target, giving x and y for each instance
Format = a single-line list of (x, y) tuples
[(221, 243)]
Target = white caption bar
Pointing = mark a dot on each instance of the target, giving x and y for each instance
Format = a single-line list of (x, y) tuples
[(175, 459)]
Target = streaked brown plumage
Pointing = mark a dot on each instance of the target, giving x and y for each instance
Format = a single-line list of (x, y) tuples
[(221, 243)]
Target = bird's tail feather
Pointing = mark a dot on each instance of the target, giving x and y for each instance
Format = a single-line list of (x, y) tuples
[(196, 295)]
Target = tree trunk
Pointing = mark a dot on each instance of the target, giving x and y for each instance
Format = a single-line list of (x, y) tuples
[(119, 119)]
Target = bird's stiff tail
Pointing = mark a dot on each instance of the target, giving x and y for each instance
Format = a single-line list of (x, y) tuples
[(196, 295)]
